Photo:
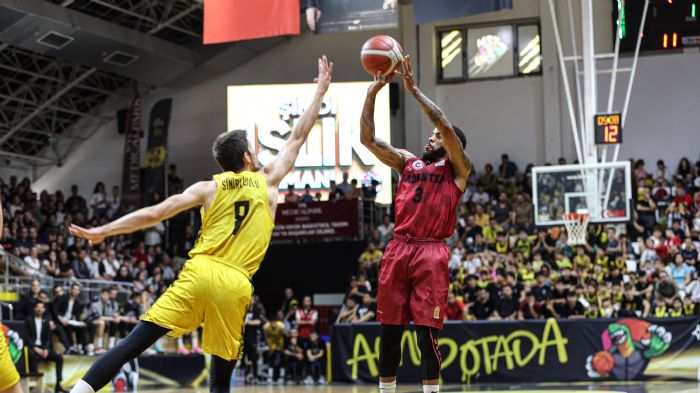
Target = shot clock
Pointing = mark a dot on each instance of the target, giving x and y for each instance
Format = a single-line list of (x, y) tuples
[(608, 128)]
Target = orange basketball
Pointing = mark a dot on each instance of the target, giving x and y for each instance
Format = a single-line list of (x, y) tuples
[(381, 53), (603, 362)]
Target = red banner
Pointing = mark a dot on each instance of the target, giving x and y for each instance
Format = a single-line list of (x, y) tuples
[(236, 20), (316, 220)]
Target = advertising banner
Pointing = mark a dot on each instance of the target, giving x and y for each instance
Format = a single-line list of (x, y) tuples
[(533, 351), (316, 220), (269, 112)]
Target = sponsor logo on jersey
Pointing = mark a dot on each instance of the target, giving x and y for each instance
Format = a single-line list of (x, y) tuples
[(418, 165)]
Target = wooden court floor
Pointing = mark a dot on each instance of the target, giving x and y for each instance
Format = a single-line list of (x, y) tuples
[(612, 387)]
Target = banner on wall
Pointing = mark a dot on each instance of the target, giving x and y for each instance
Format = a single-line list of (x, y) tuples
[(236, 20), (131, 168), (315, 220), (533, 351), (269, 112), (157, 151)]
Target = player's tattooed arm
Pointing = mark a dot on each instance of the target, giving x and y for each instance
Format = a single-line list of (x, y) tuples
[(279, 167), (387, 154), (459, 159)]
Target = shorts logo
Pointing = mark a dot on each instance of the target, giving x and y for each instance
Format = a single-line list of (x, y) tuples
[(436, 313), (418, 165)]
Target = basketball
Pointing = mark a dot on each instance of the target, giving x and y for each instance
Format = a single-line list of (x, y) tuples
[(381, 53), (603, 362)]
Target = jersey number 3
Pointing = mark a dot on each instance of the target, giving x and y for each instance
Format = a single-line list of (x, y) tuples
[(240, 210)]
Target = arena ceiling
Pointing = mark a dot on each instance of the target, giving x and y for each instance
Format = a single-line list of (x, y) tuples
[(62, 60)]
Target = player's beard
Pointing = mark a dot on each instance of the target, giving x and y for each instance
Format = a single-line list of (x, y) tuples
[(434, 155)]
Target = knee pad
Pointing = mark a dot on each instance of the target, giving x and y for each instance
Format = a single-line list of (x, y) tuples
[(431, 359), (390, 350)]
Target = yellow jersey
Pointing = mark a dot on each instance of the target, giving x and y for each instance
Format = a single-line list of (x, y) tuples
[(237, 227)]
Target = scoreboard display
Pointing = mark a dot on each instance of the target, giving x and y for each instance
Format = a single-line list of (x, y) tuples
[(670, 24), (608, 128)]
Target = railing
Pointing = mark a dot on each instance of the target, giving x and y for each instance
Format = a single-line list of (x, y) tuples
[(90, 289)]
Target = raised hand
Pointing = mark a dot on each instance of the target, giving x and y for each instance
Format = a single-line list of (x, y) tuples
[(325, 74), (409, 80), (93, 235), (380, 81)]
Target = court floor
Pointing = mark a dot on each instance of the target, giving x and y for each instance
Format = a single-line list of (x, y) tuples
[(612, 387)]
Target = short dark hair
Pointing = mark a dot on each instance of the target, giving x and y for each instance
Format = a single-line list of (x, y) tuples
[(229, 149), (460, 135)]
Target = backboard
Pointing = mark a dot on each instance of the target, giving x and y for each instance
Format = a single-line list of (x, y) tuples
[(602, 190)]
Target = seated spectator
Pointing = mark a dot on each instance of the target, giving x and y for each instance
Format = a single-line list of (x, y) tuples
[(529, 308), (455, 308), (315, 352), (335, 192), (572, 308), (507, 306), (102, 317), (38, 328), (293, 360), (367, 311), (348, 313), (483, 307)]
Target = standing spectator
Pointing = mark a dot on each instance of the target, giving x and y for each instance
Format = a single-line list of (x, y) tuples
[(344, 186), (306, 319), (291, 197), (507, 169), (335, 192), (114, 201), (307, 197), (315, 352), (98, 201), (501, 211), (38, 329), (386, 229), (289, 305), (274, 334), (251, 337), (25, 307)]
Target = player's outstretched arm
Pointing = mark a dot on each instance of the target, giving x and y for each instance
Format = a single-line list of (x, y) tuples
[(459, 159), (195, 195), (387, 154), (279, 167)]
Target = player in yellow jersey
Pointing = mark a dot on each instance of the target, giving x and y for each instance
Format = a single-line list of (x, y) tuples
[(9, 378), (214, 288)]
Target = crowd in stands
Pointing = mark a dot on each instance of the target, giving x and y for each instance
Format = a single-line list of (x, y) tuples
[(502, 267)]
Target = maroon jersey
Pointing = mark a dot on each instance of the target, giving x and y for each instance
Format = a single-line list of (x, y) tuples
[(426, 200)]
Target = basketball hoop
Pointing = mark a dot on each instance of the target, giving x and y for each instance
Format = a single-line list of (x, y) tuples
[(576, 224)]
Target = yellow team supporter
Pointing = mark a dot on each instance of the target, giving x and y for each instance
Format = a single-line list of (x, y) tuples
[(8, 373), (235, 233)]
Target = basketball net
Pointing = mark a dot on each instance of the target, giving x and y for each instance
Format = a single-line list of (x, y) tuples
[(576, 224)]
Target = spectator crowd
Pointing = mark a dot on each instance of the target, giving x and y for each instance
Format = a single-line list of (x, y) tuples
[(502, 267)]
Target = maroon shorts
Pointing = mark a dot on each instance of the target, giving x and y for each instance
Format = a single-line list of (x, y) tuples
[(413, 282)]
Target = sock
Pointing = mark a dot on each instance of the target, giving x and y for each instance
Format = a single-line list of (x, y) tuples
[(385, 387), (112, 340), (82, 387), (180, 343), (195, 340), (100, 342), (431, 388)]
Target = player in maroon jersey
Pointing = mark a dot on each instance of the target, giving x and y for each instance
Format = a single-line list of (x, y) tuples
[(414, 280)]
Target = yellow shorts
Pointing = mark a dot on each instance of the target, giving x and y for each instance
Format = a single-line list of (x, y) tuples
[(8, 373), (211, 294)]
